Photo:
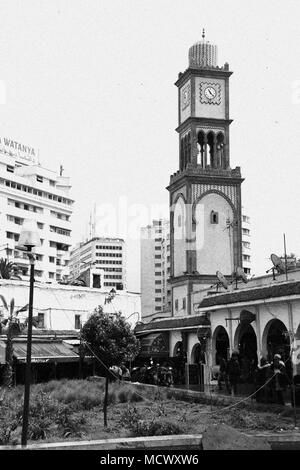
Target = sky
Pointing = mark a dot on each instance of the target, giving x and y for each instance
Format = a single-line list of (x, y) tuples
[(90, 83)]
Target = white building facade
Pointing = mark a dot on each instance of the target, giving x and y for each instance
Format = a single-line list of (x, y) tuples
[(106, 256), (64, 307), (155, 270), (246, 242), (29, 191)]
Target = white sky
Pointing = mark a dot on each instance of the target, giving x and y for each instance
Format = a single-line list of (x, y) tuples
[(91, 84)]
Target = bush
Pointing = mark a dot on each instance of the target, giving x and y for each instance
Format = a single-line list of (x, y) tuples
[(82, 394), (131, 419), (70, 425), (135, 397), (157, 428)]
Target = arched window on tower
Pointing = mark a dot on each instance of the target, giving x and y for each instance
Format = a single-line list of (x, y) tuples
[(220, 151), (210, 149), (201, 146), (184, 151), (189, 148)]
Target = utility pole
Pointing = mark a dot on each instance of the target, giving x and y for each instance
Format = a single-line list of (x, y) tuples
[(285, 257)]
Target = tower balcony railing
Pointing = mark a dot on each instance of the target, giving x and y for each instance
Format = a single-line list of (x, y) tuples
[(197, 170)]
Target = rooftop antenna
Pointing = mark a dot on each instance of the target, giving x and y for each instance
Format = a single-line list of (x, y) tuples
[(61, 170), (203, 34), (277, 265), (222, 280), (285, 257), (239, 273)]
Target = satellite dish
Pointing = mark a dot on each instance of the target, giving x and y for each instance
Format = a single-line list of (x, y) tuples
[(240, 274), (222, 279), (278, 264)]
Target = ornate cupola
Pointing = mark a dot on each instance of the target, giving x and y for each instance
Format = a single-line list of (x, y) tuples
[(203, 54)]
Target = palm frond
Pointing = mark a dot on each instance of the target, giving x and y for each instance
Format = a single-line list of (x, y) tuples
[(23, 309), (2, 298), (12, 306)]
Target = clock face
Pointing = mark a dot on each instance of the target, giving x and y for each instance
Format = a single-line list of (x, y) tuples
[(210, 92)]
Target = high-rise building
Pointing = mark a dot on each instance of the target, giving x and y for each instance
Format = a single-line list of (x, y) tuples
[(29, 191), (155, 269), (246, 242), (105, 256)]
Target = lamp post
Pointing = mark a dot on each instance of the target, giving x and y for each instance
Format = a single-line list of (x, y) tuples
[(29, 238)]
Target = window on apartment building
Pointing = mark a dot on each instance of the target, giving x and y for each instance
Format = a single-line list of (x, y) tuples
[(246, 218), (246, 244), (157, 265), (157, 273), (41, 320), (246, 231), (158, 248), (157, 282), (157, 291), (51, 275), (77, 322), (157, 299), (157, 257), (176, 304), (246, 257), (184, 303), (157, 309), (52, 183), (39, 178), (10, 169)]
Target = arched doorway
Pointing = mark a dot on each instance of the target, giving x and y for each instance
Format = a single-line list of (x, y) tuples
[(246, 345), (196, 370), (276, 340), (178, 363), (220, 344)]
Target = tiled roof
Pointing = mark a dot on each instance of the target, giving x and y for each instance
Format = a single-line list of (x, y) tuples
[(172, 323), (248, 295)]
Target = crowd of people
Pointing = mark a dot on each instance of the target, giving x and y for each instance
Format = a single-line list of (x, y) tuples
[(270, 378)]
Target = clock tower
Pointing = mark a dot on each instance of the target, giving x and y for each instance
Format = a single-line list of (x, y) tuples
[(205, 192)]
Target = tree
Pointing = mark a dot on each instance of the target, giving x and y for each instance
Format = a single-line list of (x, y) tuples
[(12, 327), (112, 340), (8, 270)]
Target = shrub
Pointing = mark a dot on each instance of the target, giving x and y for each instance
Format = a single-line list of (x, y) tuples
[(124, 396), (157, 428), (131, 419), (135, 397), (82, 394), (70, 425)]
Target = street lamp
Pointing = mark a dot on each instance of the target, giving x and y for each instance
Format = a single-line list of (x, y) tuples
[(29, 238)]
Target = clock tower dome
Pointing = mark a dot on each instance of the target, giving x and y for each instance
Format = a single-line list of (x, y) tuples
[(205, 192)]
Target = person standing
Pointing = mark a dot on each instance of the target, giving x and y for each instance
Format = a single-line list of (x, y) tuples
[(234, 372), (261, 376), (280, 379)]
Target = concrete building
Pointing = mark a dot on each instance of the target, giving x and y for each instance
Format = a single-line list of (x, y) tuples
[(27, 190), (102, 261), (64, 307), (155, 270), (246, 242)]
